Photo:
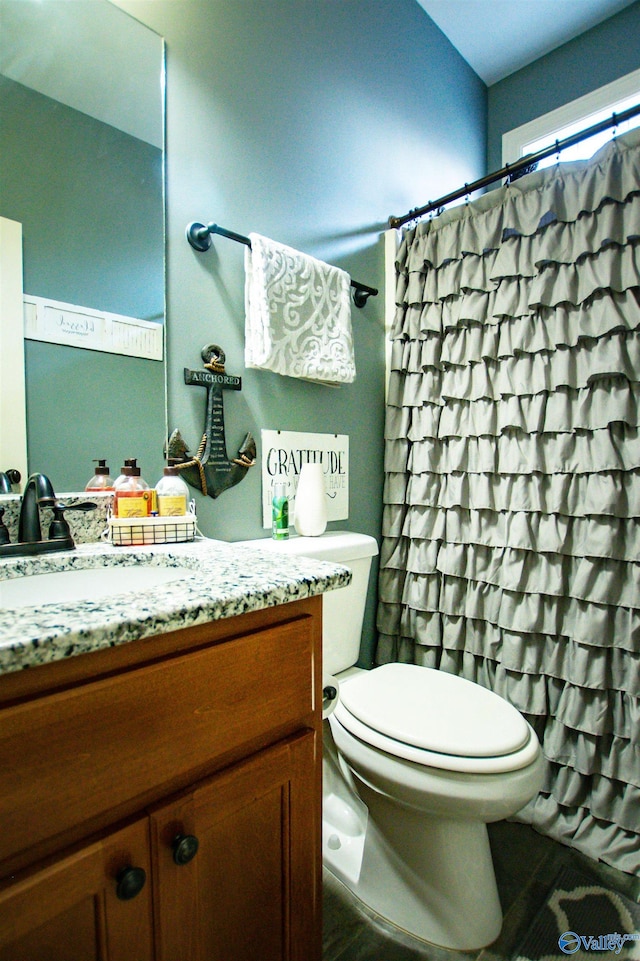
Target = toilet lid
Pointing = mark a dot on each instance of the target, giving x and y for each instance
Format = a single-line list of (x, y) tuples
[(434, 711)]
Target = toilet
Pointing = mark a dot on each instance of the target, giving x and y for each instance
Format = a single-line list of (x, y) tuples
[(416, 763)]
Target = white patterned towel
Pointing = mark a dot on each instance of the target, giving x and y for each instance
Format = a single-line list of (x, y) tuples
[(298, 314)]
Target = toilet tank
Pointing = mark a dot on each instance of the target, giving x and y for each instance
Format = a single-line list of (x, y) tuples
[(342, 609)]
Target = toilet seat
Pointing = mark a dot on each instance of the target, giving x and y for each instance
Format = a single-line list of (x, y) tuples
[(435, 719)]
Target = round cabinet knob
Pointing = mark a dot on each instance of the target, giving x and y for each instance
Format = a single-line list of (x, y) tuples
[(185, 848), (130, 883)]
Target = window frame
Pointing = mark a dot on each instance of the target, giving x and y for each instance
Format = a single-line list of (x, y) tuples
[(581, 109)]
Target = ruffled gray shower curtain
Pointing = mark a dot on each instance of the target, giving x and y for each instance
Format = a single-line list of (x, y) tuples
[(511, 531)]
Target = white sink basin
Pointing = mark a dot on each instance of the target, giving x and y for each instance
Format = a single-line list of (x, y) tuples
[(66, 587)]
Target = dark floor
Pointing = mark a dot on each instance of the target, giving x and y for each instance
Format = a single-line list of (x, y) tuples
[(526, 866)]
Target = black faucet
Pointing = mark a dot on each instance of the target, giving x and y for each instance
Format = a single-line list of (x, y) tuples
[(39, 493)]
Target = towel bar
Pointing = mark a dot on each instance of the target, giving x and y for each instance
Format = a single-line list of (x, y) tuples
[(199, 236)]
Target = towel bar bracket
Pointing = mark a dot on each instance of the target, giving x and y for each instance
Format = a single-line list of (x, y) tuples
[(199, 236), (361, 295)]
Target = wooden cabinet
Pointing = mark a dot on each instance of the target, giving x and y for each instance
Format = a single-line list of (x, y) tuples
[(164, 802), (70, 908), (246, 890)]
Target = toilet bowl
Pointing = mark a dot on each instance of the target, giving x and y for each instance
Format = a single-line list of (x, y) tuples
[(416, 762), (429, 798)]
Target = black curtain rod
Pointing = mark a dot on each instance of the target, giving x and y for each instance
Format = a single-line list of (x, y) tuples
[(510, 169), (199, 236)]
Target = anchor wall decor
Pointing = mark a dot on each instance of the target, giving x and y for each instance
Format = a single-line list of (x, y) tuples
[(210, 470)]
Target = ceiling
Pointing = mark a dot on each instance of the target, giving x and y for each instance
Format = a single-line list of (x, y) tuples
[(498, 37)]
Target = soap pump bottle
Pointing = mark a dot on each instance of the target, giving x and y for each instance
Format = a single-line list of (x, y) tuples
[(124, 472), (101, 481), (132, 497), (172, 493)]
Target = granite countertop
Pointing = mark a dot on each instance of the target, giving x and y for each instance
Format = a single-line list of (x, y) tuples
[(220, 580)]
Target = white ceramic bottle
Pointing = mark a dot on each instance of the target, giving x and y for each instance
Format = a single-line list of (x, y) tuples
[(310, 511)]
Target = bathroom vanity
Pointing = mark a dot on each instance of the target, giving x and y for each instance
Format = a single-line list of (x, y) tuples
[(160, 763)]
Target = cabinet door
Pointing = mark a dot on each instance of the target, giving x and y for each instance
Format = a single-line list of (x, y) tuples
[(252, 888), (74, 910)]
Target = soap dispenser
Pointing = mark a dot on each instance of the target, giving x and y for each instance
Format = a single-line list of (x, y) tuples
[(101, 481), (172, 493), (132, 497), (124, 471)]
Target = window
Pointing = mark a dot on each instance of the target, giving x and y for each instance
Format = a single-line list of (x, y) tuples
[(573, 117)]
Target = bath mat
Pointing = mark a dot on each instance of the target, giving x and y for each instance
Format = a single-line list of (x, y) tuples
[(583, 920)]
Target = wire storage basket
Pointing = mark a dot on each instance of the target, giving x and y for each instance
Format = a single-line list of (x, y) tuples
[(136, 531)]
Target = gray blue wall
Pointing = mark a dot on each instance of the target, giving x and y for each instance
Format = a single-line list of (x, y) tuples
[(595, 58), (312, 121), (309, 121)]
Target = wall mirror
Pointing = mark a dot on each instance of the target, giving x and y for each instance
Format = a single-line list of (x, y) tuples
[(82, 170)]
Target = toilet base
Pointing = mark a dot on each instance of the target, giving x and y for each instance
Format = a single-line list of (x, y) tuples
[(428, 875), (344, 817)]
